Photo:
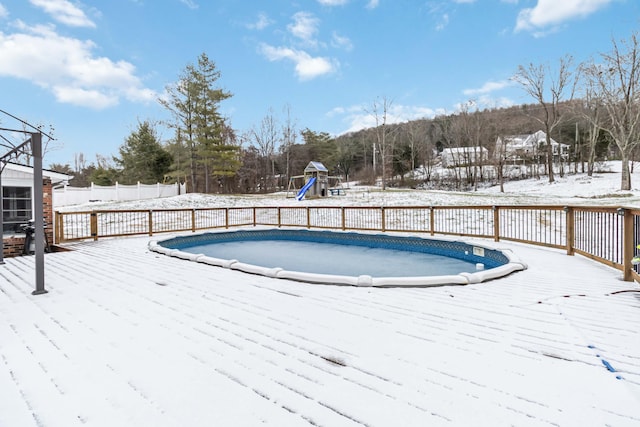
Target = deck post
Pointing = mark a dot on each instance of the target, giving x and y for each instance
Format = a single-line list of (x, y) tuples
[(57, 238), (150, 222), (383, 219), (496, 223), (93, 224), (432, 220), (571, 231), (628, 249)]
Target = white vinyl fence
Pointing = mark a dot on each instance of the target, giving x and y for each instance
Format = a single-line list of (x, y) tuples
[(67, 195)]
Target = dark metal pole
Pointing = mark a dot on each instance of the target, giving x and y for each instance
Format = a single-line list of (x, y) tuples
[(38, 214), (1, 216)]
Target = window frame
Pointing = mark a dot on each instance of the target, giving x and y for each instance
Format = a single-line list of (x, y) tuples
[(10, 225)]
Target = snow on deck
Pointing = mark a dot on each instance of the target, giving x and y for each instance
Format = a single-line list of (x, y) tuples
[(127, 337)]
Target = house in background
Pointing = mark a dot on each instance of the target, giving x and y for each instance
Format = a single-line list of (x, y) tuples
[(17, 203), (528, 148), (463, 156)]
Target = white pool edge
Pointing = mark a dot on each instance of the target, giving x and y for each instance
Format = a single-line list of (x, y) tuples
[(514, 264)]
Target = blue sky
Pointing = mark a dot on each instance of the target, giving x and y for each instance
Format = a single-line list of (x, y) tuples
[(93, 69)]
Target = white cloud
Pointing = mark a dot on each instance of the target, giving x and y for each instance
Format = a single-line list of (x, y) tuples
[(3, 11), (444, 21), (190, 4), (372, 4), (307, 67), (333, 2), (304, 27), (488, 87), (64, 12), (67, 67), (483, 102), (357, 118), (261, 23), (341, 42), (554, 12), (84, 97)]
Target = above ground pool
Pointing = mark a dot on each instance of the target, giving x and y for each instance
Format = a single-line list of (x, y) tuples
[(344, 258)]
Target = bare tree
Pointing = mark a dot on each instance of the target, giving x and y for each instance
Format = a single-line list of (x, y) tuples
[(379, 111), (590, 110), (79, 162), (416, 134), (549, 90), (617, 82), (471, 124), (265, 138), (288, 139)]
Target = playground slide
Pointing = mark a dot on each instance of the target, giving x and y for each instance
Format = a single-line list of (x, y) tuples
[(304, 189)]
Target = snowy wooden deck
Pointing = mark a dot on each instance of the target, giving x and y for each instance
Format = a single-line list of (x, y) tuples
[(126, 337)]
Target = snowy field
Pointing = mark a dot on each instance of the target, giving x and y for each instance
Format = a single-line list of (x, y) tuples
[(601, 189), (126, 337)]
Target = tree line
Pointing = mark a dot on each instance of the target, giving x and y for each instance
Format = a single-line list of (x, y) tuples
[(592, 107)]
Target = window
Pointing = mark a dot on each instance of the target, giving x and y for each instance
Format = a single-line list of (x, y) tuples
[(16, 208)]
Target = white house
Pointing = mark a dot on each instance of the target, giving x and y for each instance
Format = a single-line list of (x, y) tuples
[(17, 202), (520, 148), (463, 156)]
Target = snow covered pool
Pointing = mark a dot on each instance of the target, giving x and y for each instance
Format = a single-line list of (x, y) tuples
[(344, 258)]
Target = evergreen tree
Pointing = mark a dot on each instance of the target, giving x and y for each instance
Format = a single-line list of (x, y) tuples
[(194, 102), (322, 147), (142, 157), (103, 176)]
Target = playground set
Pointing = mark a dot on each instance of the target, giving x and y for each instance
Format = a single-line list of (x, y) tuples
[(315, 182)]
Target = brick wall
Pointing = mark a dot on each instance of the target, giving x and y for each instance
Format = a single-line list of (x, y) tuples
[(13, 246)]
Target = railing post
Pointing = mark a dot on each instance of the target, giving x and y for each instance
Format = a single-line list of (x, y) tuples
[(308, 217), (432, 220), (255, 214), (280, 217), (150, 222), (344, 218), (571, 230), (627, 243), (93, 224), (226, 217), (383, 219), (496, 223), (59, 231), (193, 220)]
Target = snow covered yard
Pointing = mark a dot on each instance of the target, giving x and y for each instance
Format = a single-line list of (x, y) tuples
[(127, 337)]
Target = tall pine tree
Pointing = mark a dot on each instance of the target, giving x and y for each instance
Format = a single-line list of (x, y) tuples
[(194, 102)]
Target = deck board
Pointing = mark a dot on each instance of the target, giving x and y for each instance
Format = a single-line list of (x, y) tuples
[(130, 337)]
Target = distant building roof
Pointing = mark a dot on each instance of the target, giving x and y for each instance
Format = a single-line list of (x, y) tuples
[(465, 150), (527, 140)]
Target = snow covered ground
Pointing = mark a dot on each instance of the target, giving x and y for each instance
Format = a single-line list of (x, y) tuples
[(127, 337), (573, 189)]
